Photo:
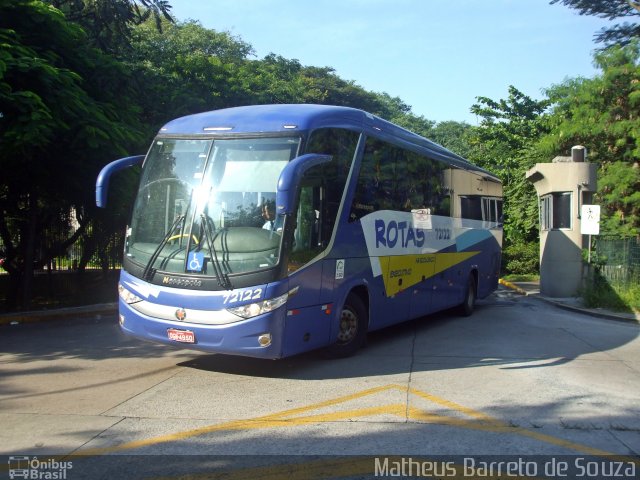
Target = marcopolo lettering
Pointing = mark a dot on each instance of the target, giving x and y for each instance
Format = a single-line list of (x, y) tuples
[(429, 259), (399, 234)]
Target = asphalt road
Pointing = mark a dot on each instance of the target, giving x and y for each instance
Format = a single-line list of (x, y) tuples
[(518, 378)]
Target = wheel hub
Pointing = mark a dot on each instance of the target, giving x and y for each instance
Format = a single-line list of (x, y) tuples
[(348, 326)]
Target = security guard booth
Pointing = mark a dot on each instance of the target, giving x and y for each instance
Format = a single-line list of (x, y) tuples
[(563, 186)]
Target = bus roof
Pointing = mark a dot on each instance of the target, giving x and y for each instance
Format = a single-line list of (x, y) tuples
[(307, 117)]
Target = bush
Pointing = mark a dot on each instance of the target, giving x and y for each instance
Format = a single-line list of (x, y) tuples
[(600, 293), (631, 297), (521, 259)]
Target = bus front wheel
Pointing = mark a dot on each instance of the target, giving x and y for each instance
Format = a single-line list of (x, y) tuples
[(352, 329)]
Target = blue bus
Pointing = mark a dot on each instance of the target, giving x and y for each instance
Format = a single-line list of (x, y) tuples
[(271, 230)]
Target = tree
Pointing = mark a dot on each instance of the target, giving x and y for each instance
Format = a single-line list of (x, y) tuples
[(453, 135), (503, 143), (602, 114), (64, 112), (620, 34), (184, 68), (109, 22), (506, 128)]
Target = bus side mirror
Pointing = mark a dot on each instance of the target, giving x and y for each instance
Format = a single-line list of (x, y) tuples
[(290, 178), (102, 183)]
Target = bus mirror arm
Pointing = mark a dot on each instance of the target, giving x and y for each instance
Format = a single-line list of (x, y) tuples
[(102, 183), (290, 179)]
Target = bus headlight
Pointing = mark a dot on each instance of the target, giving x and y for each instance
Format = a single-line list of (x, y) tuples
[(255, 309), (127, 296)]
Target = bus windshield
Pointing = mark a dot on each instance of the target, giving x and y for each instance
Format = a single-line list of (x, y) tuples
[(206, 206)]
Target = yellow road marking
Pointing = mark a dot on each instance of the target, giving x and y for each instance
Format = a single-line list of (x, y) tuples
[(309, 415), (272, 420), (445, 403), (334, 401), (292, 418)]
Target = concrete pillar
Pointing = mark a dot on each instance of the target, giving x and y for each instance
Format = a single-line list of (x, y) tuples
[(563, 186)]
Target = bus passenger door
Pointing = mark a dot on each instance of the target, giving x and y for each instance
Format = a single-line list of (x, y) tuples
[(307, 325)]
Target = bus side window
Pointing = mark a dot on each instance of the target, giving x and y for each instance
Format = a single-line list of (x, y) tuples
[(393, 178), (365, 198), (471, 207)]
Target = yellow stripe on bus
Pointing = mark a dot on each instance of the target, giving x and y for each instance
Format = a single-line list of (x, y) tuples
[(404, 271)]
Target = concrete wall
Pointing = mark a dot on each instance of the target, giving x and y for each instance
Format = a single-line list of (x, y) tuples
[(561, 266)]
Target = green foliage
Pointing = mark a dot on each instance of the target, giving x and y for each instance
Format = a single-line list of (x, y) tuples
[(64, 112), (602, 114), (619, 190), (620, 34), (184, 68), (108, 23), (599, 293), (521, 258), (503, 144), (506, 129), (456, 136), (631, 297), (602, 110)]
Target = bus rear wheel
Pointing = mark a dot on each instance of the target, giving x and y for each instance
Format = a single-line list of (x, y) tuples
[(352, 329), (468, 304)]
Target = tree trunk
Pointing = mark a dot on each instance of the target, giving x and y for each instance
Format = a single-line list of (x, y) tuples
[(15, 283), (29, 253)]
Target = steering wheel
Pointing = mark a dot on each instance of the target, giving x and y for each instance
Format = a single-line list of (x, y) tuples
[(183, 235)]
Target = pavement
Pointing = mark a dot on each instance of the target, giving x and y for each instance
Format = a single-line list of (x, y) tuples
[(529, 289)]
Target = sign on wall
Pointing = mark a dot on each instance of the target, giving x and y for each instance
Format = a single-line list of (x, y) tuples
[(590, 220)]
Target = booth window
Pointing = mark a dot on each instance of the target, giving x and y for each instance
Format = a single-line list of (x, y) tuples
[(555, 211)]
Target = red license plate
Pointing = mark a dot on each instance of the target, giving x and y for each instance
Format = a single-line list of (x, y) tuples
[(182, 336)]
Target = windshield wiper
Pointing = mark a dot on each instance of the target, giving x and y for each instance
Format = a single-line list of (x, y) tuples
[(148, 269), (223, 278)]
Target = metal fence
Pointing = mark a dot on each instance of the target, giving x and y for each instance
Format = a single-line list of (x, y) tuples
[(107, 254), (618, 260), (85, 273), (91, 250)]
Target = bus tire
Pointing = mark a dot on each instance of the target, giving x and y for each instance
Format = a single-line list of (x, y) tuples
[(352, 329), (470, 294)]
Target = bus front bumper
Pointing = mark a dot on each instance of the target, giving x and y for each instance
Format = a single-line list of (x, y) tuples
[(259, 337)]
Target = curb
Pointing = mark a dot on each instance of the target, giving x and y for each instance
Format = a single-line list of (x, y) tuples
[(35, 316), (586, 311), (592, 312), (512, 286)]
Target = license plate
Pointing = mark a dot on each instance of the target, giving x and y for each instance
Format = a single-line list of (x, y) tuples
[(182, 336)]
